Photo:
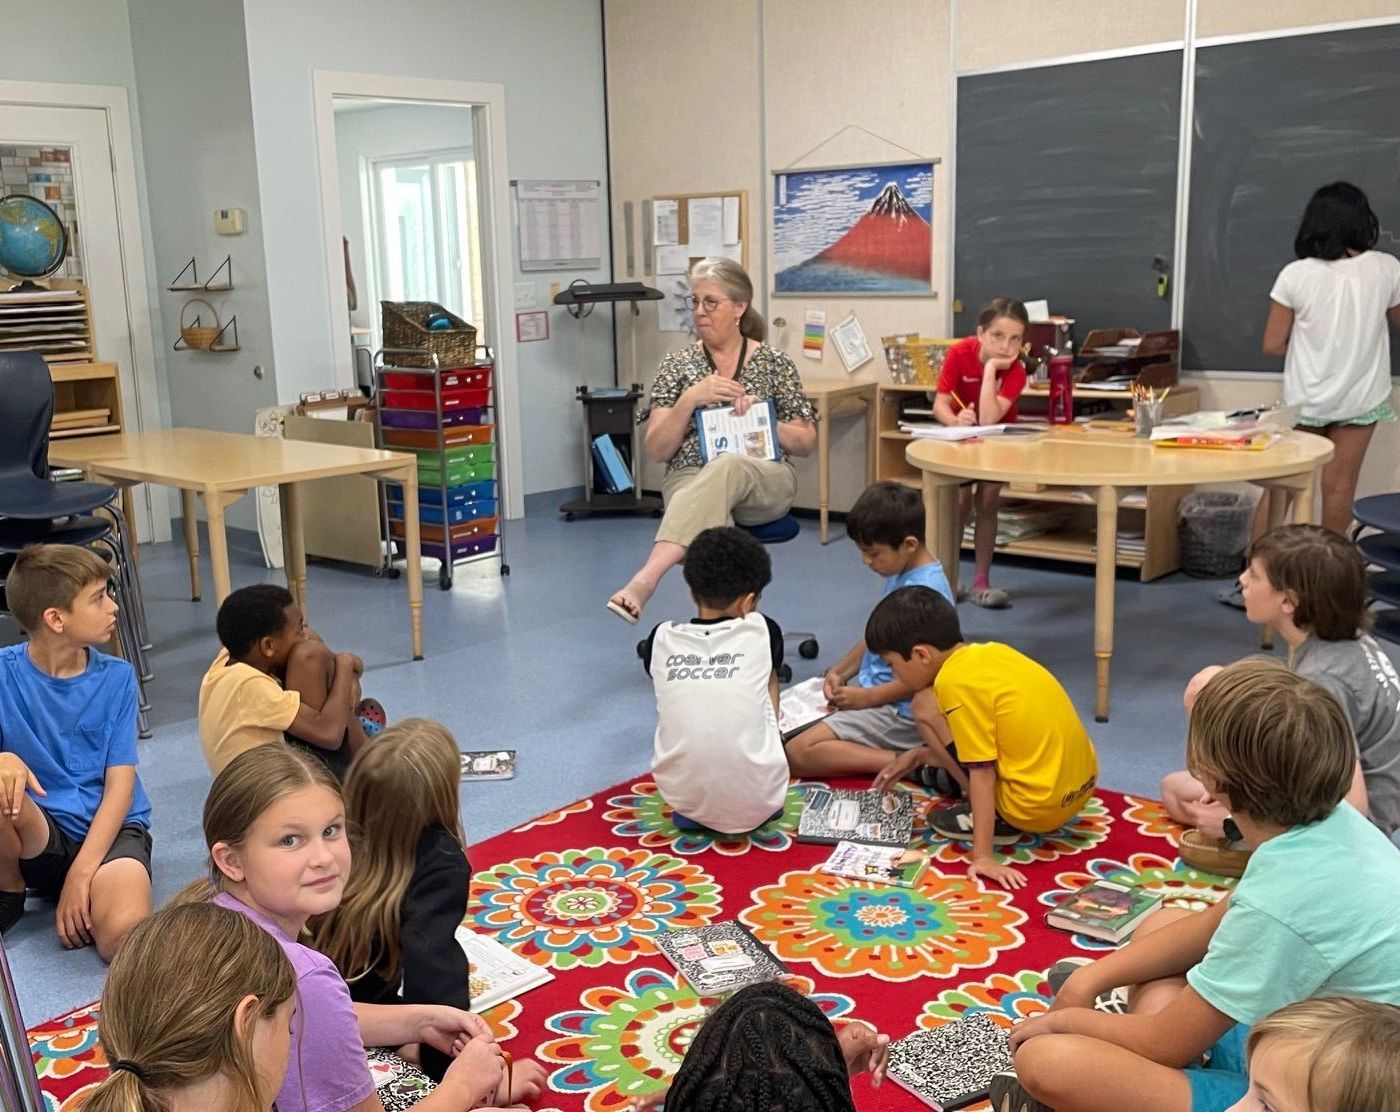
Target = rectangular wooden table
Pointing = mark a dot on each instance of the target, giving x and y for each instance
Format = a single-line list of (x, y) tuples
[(221, 467), (849, 394)]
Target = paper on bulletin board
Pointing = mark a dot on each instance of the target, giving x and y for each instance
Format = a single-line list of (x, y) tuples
[(673, 258), (731, 220), (851, 345), (672, 313), (706, 220), (814, 334), (666, 222)]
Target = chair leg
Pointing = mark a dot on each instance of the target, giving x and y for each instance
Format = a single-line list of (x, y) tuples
[(132, 579)]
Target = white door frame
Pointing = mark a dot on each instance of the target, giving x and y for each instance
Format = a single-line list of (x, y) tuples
[(112, 101), (498, 264)]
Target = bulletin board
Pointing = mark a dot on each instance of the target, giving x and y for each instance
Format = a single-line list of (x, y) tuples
[(677, 229)]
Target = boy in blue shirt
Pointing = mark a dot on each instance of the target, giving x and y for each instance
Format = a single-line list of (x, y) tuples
[(1317, 912), (873, 722), (74, 819)]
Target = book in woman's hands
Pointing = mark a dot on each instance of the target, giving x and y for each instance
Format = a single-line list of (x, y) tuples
[(719, 958), (494, 973), (1105, 910), (723, 432), (832, 815), (951, 1066)]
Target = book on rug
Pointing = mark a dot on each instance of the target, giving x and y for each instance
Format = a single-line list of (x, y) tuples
[(881, 864), (801, 705), (499, 764), (494, 972), (951, 1066), (832, 815), (1105, 910), (719, 958)]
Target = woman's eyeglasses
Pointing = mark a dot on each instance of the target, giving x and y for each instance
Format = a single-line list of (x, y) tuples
[(709, 304)]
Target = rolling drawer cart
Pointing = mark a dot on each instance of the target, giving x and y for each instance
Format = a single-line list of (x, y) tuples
[(446, 416)]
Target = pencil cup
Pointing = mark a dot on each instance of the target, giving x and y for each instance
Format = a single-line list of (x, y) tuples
[(1147, 416)]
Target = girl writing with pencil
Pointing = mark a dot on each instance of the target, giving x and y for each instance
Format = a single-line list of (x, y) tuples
[(981, 379)]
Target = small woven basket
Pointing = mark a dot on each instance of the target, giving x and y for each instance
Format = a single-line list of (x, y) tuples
[(405, 326), (198, 337), (915, 359)]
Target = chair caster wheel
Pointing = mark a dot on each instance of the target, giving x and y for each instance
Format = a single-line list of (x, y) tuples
[(569, 517), (784, 673), (808, 649)]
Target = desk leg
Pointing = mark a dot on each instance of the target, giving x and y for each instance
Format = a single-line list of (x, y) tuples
[(191, 524), (1279, 500), (214, 503), (1303, 500), (129, 512), (413, 558), (293, 542), (941, 509), (1105, 580), (823, 462), (872, 435)]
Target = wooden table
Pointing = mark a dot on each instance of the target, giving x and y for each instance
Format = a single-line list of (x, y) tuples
[(849, 395), (1076, 458), (221, 467)]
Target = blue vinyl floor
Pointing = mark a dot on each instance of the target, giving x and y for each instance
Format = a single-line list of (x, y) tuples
[(534, 662)]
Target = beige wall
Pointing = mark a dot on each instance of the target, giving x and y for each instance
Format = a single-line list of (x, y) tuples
[(668, 60)]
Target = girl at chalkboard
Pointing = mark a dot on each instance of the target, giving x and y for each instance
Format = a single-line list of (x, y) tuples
[(1327, 318), (981, 379)]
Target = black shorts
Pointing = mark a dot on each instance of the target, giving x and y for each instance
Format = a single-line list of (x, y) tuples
[(47, 872)]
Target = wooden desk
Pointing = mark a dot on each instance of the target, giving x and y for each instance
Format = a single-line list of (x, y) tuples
[(221, 467), (850, 395), (1107, 462)]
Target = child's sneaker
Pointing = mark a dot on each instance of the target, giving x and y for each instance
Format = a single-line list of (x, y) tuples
[(1007, 1095), (11, 909), (991, 598), (939, 780), (1219, 856), (955, 823), (1112, 1002)]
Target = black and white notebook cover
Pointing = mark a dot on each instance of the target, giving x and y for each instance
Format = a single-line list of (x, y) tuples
[(719, 958), (949, 1067), (832, 815)]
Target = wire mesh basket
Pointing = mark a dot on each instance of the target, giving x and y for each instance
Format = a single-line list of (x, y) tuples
[(1214, 530)]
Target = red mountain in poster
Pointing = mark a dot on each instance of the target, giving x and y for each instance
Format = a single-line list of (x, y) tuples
[(891, 238)]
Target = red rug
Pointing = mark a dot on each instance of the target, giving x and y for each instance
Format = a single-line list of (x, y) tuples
[(584, 889)]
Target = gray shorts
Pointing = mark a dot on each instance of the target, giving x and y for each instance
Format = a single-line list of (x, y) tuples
[(878, 727)]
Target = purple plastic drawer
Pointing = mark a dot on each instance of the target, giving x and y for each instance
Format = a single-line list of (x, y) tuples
[(463, 550), (417, 419)]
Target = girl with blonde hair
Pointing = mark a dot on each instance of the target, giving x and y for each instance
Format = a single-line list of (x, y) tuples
[(274, 822), (222, 1042), (392, 937)]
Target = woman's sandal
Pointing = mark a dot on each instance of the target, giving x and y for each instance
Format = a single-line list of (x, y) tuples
[(640, 592)]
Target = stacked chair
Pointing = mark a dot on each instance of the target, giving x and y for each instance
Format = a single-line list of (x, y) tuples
[(35, 510), (1381, 513)]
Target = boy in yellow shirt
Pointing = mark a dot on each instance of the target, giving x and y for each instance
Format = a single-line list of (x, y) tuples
[(993, 712)]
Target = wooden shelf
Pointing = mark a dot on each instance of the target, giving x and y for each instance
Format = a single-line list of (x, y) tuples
[(90, 430), (1073, 546)]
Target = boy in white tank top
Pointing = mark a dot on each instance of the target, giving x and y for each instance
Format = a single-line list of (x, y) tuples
[(718, 758)]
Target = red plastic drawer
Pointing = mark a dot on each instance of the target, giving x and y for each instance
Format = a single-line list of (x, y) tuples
[(451, 399), (455, 379)]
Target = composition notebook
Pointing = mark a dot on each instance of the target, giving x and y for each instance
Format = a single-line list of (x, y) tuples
[(1105, 909), (832, 815), (719, 958), (754, 434), (952, 1066), (499, 764), (802, 705)]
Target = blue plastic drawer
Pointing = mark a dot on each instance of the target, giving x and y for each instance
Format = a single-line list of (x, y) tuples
[(430, 510)]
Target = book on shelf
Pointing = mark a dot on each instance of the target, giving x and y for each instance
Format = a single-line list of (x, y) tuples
[(494, 973), (1105, 910), (880, 864), (498, 764), (719, 958), (951, 1066), (832, 815), (802, 705), (608, 465)]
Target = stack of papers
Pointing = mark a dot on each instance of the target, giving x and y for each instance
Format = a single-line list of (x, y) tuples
[(922, 431)]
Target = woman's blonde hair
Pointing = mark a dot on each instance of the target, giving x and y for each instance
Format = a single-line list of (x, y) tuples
[(250, 784), (399, 785), (167, 1013), (737, 286), (1353, 1047), (1273, 741)]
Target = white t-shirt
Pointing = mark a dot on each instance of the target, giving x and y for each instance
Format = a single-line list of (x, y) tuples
[(1338, 361), (719, 757)]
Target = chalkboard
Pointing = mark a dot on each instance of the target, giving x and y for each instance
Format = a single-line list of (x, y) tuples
[(1066, 188), (1275, 119)]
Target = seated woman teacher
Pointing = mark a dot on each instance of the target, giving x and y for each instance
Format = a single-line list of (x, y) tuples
[(729, 366)]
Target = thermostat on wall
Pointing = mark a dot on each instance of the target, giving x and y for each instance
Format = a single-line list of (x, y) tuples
[(229, 222)]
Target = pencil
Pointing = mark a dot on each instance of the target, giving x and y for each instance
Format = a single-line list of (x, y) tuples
[(958, 402)]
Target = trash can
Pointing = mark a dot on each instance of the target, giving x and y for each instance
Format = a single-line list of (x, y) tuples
[(1214, 530)]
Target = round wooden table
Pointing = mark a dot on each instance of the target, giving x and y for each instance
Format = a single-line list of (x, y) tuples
[(1107, 463)]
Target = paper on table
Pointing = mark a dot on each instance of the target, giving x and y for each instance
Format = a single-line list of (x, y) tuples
[(952, 432), (706, 219), (673, 259), (665, 222), (1038, 310), (731, 220), (851, 345)]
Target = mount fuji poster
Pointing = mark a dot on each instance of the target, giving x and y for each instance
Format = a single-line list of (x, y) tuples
[(858, 230)]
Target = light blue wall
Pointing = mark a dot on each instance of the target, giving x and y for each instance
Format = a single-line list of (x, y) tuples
[(546, 53)]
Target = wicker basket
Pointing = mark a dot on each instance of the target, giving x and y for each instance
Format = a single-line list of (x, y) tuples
[(915, 359), (406, 327), (196, 336)]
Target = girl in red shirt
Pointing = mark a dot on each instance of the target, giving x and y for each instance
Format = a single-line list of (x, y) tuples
[(981, 379)]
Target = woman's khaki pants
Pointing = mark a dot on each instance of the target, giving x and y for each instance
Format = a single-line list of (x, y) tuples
[(729, 489)]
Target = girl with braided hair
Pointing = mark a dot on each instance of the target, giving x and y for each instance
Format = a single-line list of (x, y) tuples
[(770, 1049)]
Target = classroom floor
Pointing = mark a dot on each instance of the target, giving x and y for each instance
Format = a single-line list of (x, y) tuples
[(533, 662)]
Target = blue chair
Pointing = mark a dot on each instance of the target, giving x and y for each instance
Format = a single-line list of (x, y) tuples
[(1381, 512), (780, 531)]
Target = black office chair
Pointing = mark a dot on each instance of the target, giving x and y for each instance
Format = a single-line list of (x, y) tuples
[(1381, 512)]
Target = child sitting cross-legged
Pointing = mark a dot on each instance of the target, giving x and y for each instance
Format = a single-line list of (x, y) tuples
[(718, 756), (1309, 584), (873, 722), (992, 719), (75, 823), (275, 680), (1275, 748), (1328, 1054)]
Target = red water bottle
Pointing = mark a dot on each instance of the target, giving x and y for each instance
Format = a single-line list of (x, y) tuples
[(1061, 407)]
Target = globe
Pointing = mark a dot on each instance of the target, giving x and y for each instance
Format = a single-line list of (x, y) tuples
[(33, 241)]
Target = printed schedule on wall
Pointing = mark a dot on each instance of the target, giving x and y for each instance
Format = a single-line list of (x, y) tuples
[(559, 224)]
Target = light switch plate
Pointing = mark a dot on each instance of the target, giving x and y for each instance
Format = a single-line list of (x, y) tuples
[(230, 221)]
